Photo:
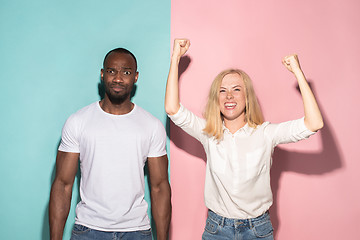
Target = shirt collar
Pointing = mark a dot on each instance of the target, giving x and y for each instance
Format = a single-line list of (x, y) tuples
[(246, 129)]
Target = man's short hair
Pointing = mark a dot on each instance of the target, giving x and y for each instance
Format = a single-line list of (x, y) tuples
[(120, 50)]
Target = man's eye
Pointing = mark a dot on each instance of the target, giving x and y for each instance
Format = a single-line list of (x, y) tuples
[(127, 72), (111, 72)]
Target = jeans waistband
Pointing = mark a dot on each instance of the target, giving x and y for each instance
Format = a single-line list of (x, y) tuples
[(236, 222)]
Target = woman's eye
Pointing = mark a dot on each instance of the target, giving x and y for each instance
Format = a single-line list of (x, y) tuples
[(237, 89), (222, 91)]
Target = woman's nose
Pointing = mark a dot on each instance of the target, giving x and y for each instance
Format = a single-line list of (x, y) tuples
[(229, 95)]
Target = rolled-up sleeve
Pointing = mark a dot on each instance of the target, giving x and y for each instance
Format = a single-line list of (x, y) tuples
[(288, 132), (189, 122)]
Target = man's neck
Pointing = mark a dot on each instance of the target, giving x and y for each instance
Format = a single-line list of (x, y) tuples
[(116, 109)]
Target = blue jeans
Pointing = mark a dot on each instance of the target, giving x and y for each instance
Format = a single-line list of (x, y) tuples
[(221, 228), (84, 233)]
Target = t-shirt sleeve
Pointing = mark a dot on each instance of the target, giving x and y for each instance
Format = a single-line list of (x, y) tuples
[(189, 122), (69, 137), (287, 132), (158, 141)]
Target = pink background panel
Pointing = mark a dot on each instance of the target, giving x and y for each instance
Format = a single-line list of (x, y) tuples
[(315, 182)]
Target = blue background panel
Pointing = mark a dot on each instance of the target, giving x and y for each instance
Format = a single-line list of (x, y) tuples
[(51, 53)]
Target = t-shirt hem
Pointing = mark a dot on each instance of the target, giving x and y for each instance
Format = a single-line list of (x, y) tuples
[(116, 229), (158, 154), (68, 150)]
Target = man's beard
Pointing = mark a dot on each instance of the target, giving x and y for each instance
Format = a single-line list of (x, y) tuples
[(117, 98)]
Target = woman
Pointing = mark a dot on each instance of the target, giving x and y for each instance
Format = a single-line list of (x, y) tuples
[(238, 145)]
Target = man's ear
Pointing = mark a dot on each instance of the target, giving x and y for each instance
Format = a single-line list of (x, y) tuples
[(136, 76), (102, 75)]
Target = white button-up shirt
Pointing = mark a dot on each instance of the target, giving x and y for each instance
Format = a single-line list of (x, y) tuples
[(237, 182)]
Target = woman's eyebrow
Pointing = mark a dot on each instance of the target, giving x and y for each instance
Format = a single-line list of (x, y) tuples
[(235, 86)]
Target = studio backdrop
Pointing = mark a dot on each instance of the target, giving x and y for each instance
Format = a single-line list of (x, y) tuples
[(51, 54)]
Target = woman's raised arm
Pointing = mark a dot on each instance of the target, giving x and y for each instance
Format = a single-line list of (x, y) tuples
[(313, 119), (172, 102)]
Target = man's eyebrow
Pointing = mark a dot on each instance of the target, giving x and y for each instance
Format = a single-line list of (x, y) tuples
[(124, 68)]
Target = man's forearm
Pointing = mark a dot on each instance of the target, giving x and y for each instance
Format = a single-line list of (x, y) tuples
[(161, 209), (59, 206)]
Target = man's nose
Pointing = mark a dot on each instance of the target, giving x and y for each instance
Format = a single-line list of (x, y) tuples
[(118, 77)]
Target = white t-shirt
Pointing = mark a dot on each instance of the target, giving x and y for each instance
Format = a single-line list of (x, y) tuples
[(237, 181), (113, 150)]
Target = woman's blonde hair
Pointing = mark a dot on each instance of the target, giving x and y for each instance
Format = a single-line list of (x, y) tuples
[(212, 114)]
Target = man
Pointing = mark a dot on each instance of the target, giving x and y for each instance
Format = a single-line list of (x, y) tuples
[(112, 139)]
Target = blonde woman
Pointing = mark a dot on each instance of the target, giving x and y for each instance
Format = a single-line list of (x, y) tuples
[(238, 145)]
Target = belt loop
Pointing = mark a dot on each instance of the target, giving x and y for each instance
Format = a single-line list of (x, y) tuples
[(222, 222), (250, 223)]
